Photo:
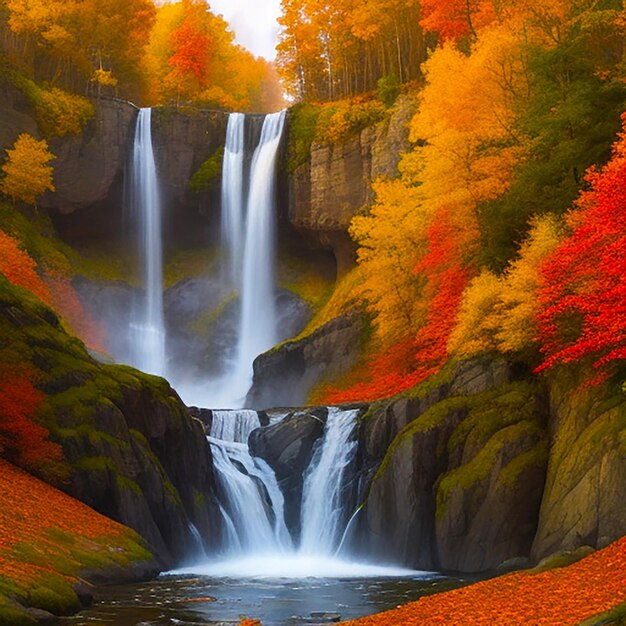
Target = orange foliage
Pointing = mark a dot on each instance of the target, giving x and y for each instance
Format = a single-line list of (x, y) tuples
[(409, 362), (29, 508), (21, 439), (565, 596), (455, 19), (20, 268)]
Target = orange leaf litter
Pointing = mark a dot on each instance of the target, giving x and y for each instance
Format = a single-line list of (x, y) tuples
[(564, 596), (30, 507)]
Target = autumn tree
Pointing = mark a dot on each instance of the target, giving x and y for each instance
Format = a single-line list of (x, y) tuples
[(582, 291), (26, 170)]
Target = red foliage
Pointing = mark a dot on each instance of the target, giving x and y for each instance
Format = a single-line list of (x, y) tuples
[(191, 50), (455, 19), (409, 362), (21, 439), (29, 508), (583, 283), (65, 300), (564, 596), (20, 268)]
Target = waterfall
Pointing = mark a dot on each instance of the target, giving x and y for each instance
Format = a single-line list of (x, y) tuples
[(252, 506), (250, 245), (232, 199), (323, 514), (147, 329)]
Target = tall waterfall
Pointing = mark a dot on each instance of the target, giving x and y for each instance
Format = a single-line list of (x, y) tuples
[(147, 328), (233, 199), (250, 244)]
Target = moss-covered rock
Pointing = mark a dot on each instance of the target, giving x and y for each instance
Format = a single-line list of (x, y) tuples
[(458, 467), (585, 494), (133, 451)]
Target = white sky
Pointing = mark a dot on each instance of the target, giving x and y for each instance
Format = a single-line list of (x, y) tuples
[(253, 22)]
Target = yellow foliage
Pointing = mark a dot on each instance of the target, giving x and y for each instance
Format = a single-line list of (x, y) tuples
[(60, 113), (104, 78), (477, 321), (466, 121), (392, 238), (26, 171), (519, 302), (498, 313)]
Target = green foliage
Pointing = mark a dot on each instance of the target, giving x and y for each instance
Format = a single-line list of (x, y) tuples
[(388, 88), (58, 112), (303, 119), (208, 172), (571, 119)]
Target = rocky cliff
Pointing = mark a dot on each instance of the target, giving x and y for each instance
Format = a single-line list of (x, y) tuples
[(328, 190), (132, 450), (481, 465)]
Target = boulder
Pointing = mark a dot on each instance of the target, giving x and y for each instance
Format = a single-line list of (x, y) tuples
[(287, 447), (285, 375)]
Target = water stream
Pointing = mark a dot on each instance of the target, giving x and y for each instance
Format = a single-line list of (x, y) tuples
[(147, 328)]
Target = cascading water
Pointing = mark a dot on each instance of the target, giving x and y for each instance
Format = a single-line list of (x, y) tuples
[(147, 328), (323, 514), (256, 540), (252, 506), (232, 199)]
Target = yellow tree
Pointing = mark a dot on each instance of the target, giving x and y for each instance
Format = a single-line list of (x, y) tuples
[(26, 170)]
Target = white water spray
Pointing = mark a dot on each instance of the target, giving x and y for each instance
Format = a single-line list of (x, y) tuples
[(257, 543), (250, 245), (147, 328)]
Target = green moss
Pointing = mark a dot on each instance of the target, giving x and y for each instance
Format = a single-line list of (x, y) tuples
[(615, 617), (189, 264), (202, 326), (95, 464), (126, 484), (199, 499), (53, 593), (426, 421), (208, 172), (480, 467), (13, 615), (534, 458)]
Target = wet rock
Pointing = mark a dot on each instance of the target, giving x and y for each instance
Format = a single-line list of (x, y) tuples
[(287, 447), (285, 375)]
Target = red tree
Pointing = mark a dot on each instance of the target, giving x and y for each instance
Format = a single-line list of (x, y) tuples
[(583, 283)]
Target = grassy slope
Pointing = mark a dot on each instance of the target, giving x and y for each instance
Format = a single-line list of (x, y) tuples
[(563, 596), (47, 539)]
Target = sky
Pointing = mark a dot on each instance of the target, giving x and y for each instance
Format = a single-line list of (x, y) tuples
[(253, 22)]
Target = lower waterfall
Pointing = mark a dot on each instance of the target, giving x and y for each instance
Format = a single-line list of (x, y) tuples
[(255, 538)]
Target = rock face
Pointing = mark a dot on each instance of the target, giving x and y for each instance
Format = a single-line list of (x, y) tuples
[(287, 447), (585, 494), (462, 473), (285, 375), (87, 165), (328, 190), (132, 450)]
